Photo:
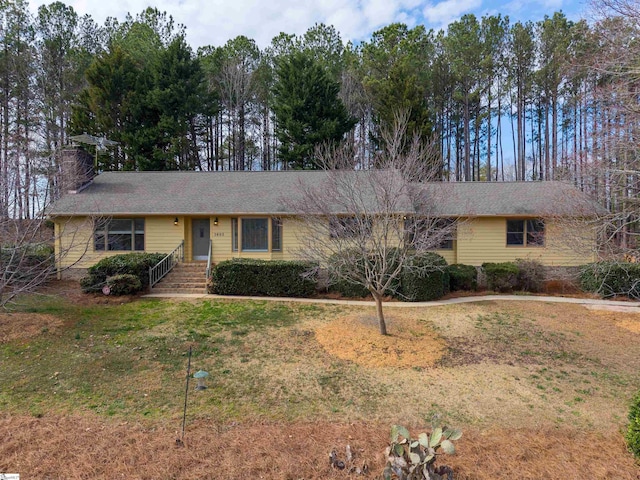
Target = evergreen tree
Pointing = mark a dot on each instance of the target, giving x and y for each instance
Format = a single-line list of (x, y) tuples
[(308, 110), (397, 77)]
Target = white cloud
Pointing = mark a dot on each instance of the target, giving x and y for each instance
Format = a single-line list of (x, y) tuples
[(443, 13), (213, 22)]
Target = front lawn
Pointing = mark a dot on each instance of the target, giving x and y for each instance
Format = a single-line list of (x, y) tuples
[(310, 378)]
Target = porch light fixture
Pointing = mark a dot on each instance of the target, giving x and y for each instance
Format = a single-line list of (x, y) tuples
[(200, 375), (175, 221), (215, 221)]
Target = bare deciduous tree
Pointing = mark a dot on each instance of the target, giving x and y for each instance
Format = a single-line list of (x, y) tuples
[(364, 226), (28, 257), (615, 173)]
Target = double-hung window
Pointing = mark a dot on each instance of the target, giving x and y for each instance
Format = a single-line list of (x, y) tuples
[(255, 234), (119, 234), (525, 233), (252, 234), (276, 235), (432, 234), (350, 227)]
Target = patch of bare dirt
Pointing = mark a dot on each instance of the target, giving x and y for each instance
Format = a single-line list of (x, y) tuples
[(70, 289), (89, 447), (357, 338), (16, 326)]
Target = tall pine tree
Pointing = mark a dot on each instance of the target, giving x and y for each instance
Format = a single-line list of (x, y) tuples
[(308, 110)]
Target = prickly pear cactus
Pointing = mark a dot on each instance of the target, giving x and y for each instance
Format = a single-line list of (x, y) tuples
[(414, 459)]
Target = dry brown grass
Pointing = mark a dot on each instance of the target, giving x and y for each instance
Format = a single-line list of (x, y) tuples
[(16, 326), (623, 319), (73, 448), (540, 391), (356, 338)]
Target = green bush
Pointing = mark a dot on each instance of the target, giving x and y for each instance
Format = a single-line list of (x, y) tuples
[(633, 432), (501, 277), (264, 277), (337, 283), (125, 284), (424, 277), (350, 289), (27, 256), (136, 264), (531, 275), (462, 277), (611, 278)]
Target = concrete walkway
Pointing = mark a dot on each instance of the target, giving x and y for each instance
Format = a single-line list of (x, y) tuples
[(600, 304)]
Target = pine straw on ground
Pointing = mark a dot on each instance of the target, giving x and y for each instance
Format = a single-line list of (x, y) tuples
[(628, 320), (356, 338), (15, 326), (78, 447)]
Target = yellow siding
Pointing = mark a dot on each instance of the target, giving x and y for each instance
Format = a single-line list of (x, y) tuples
[(479, 240), (292, 232), (221, 241), (74, 239), (161, 235), (483, 240), (448, 255), (74, 243)]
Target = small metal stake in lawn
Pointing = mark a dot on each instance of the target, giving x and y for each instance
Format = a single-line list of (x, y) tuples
[(180, 441)]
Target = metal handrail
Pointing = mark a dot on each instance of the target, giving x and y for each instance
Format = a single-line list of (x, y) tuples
[(208, 272), (165, 265)]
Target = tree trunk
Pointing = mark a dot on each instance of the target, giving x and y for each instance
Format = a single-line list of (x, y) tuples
[(381, 323), (488, 173)]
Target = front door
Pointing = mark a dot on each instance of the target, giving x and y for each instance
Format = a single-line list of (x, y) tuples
[(200, 238)]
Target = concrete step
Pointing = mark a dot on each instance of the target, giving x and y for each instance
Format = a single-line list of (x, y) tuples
[(178, 290), (182, 285), (184, 278)]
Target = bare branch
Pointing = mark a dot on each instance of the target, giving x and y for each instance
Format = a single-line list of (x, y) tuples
[(363, 226)]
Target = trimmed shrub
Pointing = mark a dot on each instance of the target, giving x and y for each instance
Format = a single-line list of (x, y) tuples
[(531, 275), (335, 270), (462, 277), (611, 278), (633, 432), (125, 284), (501, 277), (271, 278), (349, 289), (424, 277), (136, 264)]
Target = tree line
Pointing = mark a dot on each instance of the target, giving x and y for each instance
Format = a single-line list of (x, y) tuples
[(552, 99)]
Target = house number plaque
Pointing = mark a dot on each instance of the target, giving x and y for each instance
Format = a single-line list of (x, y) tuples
[(221, 234)]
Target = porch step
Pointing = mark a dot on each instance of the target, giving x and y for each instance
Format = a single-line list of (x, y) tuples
[(184, 278), (181, 290)]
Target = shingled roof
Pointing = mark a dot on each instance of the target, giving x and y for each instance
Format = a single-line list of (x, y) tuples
[(238, 193)]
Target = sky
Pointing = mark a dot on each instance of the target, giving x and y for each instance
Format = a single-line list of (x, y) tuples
[(213, 22)]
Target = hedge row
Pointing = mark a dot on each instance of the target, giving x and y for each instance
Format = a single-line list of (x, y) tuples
[(109, 271), (523, 274), (611, 278), (424, 277), (633, 431), (462, 277), (262, 277)]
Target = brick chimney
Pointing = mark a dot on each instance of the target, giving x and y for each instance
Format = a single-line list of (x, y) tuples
[(76, 170)]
